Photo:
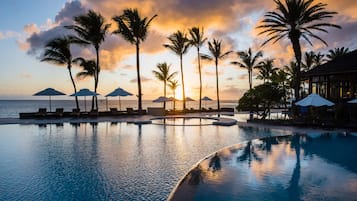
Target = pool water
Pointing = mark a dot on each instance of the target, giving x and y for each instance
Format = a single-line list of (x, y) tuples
[(106, 161), (187, 121), (298, 167)]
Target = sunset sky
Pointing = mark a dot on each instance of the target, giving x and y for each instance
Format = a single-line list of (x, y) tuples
[(26, 25)]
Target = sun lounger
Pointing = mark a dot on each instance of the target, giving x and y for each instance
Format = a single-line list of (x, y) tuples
[(41, 112), (130, 110), (59, 112), (75, 112), (93, 113)]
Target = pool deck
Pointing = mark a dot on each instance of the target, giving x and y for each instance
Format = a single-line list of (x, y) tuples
[(146, 119), (136, 119)]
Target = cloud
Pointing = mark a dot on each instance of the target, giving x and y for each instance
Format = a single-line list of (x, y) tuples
[(31, 28), (143, 79), (231, 91), (25, 75), (229, 78)]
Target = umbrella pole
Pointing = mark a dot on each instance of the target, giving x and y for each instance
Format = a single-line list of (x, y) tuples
[(119, 104), (50, 103), (106, 98)]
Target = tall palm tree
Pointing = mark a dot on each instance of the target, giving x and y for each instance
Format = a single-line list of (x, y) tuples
[(249, 60), (296, 19), (58, 51), (266, 69), (163, 74), (197, 39), (92, 30), (337, 52), (216, 54), (173, 84), (134, 29), (89, 69), (179, 44)]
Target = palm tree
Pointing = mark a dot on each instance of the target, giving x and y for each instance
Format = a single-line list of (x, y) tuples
[(309, 61), (134, 29), (173, 84), (197, 39), (296, 19), (337, 52), (319, 58), (249, 61), (91, 29), (163, 74), (216, 55), (58, 51), (266, 69), (89, 69), (179, 44)]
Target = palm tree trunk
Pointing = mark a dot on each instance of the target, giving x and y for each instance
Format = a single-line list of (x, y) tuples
[(297, 51), (250, 78), (183, 84), (74, 86), (97, 77), (199, 71), (174, 98), (218, 104), (165, 94), (138, 76)]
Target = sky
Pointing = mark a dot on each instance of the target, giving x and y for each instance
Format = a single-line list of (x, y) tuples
[(25, 26)]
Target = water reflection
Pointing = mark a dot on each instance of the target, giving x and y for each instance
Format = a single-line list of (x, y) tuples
[(297, 167)]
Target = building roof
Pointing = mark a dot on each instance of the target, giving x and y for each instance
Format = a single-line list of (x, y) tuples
[(341, 65)]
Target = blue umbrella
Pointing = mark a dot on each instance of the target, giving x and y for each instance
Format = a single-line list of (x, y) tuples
[(49, 92), (118, 92), (85, 92)]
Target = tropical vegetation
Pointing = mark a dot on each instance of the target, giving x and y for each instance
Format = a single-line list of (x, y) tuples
[(134, 29), (179, 44), (296, 20), (91, 30), (163, 74)]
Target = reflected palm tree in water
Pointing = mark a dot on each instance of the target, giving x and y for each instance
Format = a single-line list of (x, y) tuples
[(215, 163), (293, 189), (195, 177), (249, 154)]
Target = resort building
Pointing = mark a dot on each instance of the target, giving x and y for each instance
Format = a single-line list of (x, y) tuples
[(335, 80)]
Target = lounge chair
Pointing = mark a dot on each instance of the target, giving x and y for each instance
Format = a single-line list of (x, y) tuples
[(129, 110), (75, 112), (114, 110), (93, 113), (42, 112), (59, 112)]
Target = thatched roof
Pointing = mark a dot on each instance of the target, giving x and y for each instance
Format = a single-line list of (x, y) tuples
[(341, 65)]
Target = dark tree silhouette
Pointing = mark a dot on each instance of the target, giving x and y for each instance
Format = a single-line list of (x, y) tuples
[(133, 28), (296, 19)]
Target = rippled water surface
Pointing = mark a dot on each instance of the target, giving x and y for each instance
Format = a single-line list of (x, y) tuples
[(180, 121), (105, 161), (298, 167)]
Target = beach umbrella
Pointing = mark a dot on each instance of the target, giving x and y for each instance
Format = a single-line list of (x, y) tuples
[(85, 93), (118, 92), (189, 99), (314, 100), (161, 99), (353, 101), (49, 92), (206, 99)]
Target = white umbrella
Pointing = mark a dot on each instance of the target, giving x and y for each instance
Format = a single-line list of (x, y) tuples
[(85, 92), (49, 92), (314, 100), (118, 92), (353, 101)]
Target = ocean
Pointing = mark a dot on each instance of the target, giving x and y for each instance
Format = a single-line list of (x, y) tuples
[(12, 108)]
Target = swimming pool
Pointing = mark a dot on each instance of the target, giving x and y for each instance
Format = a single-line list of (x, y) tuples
[(298, 167), (184, 121), (106, 161)]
